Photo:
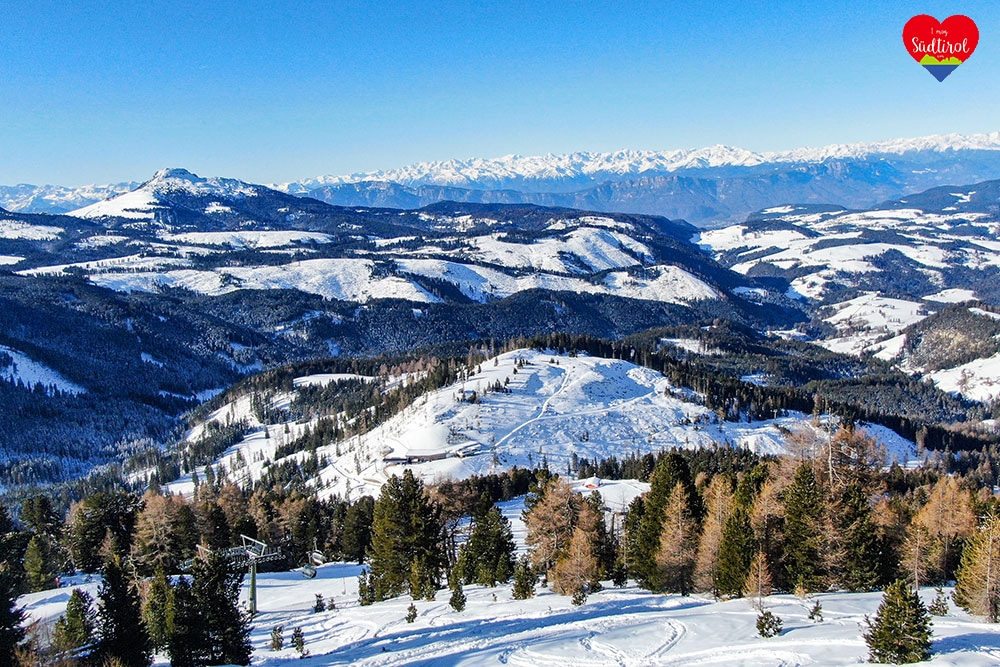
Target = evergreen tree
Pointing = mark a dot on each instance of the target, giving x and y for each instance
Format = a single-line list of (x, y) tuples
[(457, 599), (525, 579), (487, 557), (859, 567), (406, 530), (185, 645), (366, 595), (357, 533), (121, 633), (670, 471), (736, 554), (804, 530), (12, 632), (223, 625), (299, 641), (38, 565), (158, 610), (977, 589), (411, 613), (75, 628), (320, 604), (901, 630)]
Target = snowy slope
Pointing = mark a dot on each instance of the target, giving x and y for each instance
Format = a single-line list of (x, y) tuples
[(25, 369), (557, 406)]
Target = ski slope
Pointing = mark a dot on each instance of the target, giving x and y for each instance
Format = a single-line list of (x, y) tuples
[(555, 407), (616, 626)]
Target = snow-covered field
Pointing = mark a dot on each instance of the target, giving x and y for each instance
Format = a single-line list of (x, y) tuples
[(616, 626), (555, 407)]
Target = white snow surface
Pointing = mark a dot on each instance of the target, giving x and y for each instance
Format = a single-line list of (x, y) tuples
[(15, 229), (31, 372), (869, 318), (558, 406), (615, 626), (8, 260), (248, 239)]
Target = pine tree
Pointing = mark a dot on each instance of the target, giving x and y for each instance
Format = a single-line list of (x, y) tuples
[(901, 630), (457, 599), (158, 610), (356, 538), (977, 589), (75, 628), (320, 604), (12, 632), (224, 626), (859, 540), (186, 643), (803, 530), (121, 633), (487, 557), (299, 641), (525, 579), (768, 624), (411, 613), (678, 538), (366, 595), (38, 565), (670, 471), (736, 554), (406, 529)]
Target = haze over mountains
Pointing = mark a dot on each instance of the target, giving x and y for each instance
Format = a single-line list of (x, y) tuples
[(706, 186)]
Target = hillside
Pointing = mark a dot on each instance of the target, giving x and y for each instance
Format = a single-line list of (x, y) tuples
[(523, 408)]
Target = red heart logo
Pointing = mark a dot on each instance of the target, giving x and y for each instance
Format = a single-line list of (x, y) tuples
[(940, 46)]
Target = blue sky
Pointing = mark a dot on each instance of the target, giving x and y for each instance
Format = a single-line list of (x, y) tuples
[(268, 91)]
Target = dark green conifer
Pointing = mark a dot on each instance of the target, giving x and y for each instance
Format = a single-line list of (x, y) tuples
[(901, 630), (122, 636), (75, 628), (158, 610), (736, 553), (803, 530), (859, 539), (525, 579), (487, 557), (406, 530)]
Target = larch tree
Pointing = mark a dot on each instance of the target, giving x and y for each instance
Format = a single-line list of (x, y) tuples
[(977, 588), (675, 559), (576, 570), (718, 507), (550, 524), (947, 520)]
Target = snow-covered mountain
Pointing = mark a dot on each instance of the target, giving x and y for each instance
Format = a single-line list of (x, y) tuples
[(560, 173), (57, 198), (711, 185), (706, 186)]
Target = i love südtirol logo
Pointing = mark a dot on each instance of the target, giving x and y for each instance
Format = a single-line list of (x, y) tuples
[(940, 46)]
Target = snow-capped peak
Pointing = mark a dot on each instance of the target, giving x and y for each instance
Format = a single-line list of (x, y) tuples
[(520, 171), (143, 202)]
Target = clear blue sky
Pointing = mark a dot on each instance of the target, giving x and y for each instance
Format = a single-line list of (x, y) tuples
[(102, 91)]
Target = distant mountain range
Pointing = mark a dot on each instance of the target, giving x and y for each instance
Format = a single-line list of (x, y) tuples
[(706, 186)]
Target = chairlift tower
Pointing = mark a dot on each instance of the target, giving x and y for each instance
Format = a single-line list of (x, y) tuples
[(242, 558)]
